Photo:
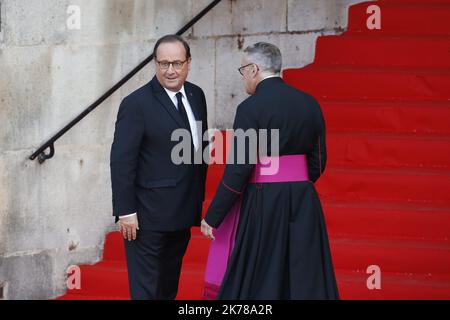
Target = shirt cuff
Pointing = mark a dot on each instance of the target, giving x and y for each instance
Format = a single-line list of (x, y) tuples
[(128, 215)]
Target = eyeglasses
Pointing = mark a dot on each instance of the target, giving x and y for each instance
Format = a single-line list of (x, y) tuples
[(243, 67), (177, 65)]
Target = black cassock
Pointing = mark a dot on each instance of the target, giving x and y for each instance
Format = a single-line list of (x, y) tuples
[(281, 249)]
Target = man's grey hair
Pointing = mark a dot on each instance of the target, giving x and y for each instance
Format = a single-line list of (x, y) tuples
[(267, 56)]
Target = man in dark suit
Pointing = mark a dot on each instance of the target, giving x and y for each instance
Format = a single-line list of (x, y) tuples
[(156, 200)]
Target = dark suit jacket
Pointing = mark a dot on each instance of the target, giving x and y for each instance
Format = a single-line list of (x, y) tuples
[(166, 196), (299, 119)]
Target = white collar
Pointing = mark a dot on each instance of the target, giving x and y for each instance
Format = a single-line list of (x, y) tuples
[(271, 76), (172, 94)]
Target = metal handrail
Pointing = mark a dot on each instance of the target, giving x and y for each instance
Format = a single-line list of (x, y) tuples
[(50, 143)]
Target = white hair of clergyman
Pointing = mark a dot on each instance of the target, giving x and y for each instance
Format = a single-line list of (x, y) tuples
[(267, 56)]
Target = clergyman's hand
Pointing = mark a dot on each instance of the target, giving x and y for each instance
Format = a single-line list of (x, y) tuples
[(207, 230), (128, 227)]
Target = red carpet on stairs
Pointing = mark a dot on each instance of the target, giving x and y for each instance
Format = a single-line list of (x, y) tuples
[(385, 95)]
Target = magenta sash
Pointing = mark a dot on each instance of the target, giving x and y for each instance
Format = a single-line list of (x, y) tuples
[(268, 170)]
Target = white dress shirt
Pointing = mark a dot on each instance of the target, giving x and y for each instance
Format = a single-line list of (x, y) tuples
[(173, 96)]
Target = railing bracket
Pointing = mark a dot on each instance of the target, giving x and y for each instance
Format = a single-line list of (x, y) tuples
[(44, 156)]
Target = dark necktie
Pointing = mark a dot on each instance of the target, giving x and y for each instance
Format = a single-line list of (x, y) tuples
[(182, 111)]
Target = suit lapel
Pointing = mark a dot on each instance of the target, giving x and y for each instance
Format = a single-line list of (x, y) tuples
[(193, 101), (163, 98)]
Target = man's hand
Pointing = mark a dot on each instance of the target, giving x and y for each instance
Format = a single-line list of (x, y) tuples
[(207, 230), (128, 227)]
